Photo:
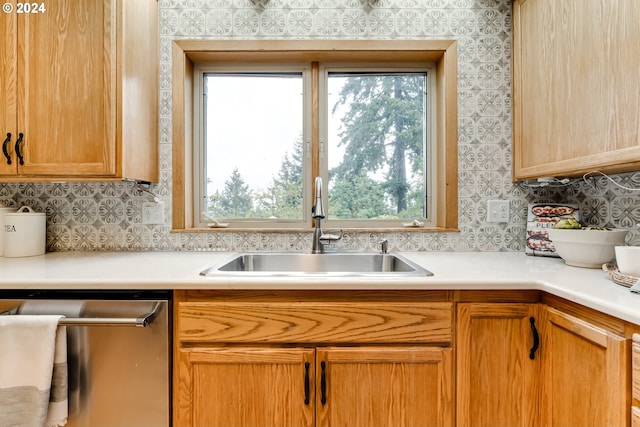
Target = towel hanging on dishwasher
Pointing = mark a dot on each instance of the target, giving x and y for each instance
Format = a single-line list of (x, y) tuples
[(33, 371)]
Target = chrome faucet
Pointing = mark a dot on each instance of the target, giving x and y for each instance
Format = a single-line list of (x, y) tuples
[(317, 213)]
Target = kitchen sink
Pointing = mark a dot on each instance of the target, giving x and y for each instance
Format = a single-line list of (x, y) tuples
[(304, 264)]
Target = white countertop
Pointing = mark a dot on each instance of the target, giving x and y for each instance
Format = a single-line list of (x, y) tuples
[(452, 270)]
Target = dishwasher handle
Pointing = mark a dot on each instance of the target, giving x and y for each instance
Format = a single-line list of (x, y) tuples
[(142, 321)]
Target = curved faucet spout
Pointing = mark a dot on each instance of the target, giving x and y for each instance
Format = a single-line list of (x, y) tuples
[(317, 211), (318, 208)]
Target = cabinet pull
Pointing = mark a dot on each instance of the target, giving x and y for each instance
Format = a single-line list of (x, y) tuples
[(536, 338), (306, 383), (323, 383), (18, 152), (5, 150)]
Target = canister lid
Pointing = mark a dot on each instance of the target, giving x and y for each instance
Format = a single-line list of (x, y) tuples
[(25, 210)]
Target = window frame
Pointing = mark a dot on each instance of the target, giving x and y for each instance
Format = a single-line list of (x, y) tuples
[(430, 178), (187, 53), (199, 144)]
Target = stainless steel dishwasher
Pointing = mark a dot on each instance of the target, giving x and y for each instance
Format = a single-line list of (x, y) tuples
[(118, 350)]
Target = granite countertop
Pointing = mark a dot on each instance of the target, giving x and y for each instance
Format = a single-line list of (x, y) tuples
[(452, 270)]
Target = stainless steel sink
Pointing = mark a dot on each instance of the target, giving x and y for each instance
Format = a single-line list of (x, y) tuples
[(303, 264)]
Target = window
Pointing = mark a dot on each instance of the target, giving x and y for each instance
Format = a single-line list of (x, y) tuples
[(378, 144), (253, 162), (251, 159), (375, 126)]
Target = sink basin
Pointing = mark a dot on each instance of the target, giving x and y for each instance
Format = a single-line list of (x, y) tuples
[(302, 264)]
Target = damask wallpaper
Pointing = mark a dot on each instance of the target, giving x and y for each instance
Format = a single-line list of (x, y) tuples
[(107, 216)]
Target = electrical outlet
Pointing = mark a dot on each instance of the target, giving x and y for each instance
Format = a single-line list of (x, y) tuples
[(498, 211), (153, 212)]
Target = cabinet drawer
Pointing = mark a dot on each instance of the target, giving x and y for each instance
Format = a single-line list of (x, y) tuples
[(314, 322), (636, 367), (635, 416)]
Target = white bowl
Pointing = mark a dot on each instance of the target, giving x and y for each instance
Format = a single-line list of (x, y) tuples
[(628, 260), (586, 248)]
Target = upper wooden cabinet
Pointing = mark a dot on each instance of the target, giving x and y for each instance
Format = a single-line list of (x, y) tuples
[(80, 91), (576, 85)]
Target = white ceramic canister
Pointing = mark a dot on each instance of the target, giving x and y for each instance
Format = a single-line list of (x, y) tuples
[(24, 233), (2, 212)]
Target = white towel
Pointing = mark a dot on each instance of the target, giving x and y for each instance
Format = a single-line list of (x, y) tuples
[(29, 346), (59, 398)]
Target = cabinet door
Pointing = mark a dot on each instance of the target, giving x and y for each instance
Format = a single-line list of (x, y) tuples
[(66, 86), (585, 373), (497, 380), (635, 369), (575, 107), (384, 386), (244, 387), (8, 47)]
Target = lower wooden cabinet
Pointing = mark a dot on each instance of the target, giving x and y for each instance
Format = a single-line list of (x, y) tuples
[(245, 387), (383, 386), (498, 363), (635, 389), (578, 376), (327, 386), (585, 375), (636, 368), (325, 361), (375, 359)]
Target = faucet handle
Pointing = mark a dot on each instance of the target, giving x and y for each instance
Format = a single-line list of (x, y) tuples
[(328, 236), (384, 246)]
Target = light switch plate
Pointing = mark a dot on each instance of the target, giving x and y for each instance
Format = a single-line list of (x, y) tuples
[(153, 212), (498, 211)]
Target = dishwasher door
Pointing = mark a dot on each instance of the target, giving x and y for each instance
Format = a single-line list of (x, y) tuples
[(118, 352)]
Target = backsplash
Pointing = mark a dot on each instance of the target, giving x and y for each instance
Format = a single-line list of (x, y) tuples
[(107, 216)]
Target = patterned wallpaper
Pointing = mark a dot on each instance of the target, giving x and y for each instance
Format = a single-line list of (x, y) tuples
[(107, 216)]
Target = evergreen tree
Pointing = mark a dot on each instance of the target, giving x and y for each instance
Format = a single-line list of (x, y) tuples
[(383, 131), (286, 190), (357, 196), (236, 201)]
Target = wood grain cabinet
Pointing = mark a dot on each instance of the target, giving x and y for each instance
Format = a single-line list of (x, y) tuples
[(569, 371), (384, 358), (575, 87), (498, 365), (384, 386), (246, 386), (315, 359), (79, 88), (635, 395), (585, 373)]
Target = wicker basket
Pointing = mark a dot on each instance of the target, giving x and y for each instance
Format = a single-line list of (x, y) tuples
[(617, 277)]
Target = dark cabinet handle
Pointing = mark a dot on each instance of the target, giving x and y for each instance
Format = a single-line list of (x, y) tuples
[(536, 338), (18, 152), (323, 382), (306, 383), (5, 150)]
